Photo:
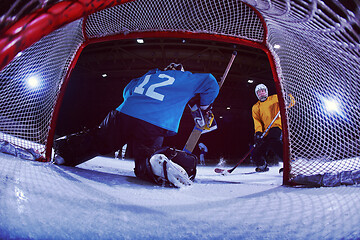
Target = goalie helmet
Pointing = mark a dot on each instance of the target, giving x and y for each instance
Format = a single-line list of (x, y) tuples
[(261, 95), (175, 66)]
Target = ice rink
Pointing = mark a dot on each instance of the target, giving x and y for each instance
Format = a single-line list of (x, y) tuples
[(102, 199)]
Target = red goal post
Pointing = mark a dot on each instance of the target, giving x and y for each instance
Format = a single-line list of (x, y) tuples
[(315, 41), (41, 22)]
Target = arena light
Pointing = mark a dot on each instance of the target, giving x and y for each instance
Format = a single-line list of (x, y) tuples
[(331, 105), (140, 40), (250, 81), (104, 75), (33, 82), (276, 46)]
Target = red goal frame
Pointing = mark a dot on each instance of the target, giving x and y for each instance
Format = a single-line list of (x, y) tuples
[(34, 26)]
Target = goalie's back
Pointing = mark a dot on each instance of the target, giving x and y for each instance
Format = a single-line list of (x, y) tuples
[(159, 97)]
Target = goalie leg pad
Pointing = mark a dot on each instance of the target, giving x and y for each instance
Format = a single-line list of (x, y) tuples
[(170, 171), (187, 161), (75, 149)]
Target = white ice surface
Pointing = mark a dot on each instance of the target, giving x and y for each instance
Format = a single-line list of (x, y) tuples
[(102, 199)]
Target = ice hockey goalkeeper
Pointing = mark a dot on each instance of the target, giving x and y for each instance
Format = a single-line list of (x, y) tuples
[(152, 108)]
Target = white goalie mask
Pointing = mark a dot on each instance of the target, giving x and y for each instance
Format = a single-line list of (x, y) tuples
[(175, 66), (261, 92)]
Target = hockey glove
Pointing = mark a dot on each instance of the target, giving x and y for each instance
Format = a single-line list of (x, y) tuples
[(290, 101), (257, 137), (203, 116), (208, 116)]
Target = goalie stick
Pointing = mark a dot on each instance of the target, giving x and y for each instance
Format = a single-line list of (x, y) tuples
[(196, 132), (224, 171)]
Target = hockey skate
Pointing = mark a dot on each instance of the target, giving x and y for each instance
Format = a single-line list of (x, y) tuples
[(58, 160), (58, 146), (263, 168), (170, 171)]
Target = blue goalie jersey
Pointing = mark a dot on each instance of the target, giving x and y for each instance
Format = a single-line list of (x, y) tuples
[(160, 97)]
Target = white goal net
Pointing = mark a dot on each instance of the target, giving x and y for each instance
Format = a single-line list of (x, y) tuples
[(313, 48)]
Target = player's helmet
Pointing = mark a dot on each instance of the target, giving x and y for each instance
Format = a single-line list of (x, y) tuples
[(175, 66), (261, 95)]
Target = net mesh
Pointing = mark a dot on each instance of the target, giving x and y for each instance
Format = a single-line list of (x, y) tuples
[(230, 18), (30, 85), (315, 45), (322, 74)]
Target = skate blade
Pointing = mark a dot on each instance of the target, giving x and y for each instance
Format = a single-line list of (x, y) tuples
[(58, 160)]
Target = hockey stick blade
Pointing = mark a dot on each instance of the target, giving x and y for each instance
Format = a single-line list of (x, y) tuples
[(221, 171), (225, 172)]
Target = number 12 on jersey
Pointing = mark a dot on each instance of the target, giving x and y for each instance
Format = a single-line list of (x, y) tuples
[(150, 90)]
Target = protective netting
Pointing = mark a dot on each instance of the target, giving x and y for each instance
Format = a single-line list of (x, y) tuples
[(30, 85), (229, 18), (318, 62), (315, 46)]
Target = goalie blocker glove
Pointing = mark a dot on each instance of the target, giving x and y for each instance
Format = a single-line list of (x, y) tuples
[(203, 116)]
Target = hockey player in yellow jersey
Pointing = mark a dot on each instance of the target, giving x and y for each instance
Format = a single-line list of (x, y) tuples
[(263, 112)]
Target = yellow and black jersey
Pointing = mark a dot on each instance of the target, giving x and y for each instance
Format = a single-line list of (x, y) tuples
[(264, 112)]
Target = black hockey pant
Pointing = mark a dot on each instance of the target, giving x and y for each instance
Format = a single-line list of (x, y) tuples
[(271, 143), (116, 130)]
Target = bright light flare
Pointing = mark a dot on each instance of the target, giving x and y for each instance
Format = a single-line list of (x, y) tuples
[(33, 82), (331, 105), (19, 54)]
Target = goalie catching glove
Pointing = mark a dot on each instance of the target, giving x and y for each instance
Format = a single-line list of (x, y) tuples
[(203, 117)]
